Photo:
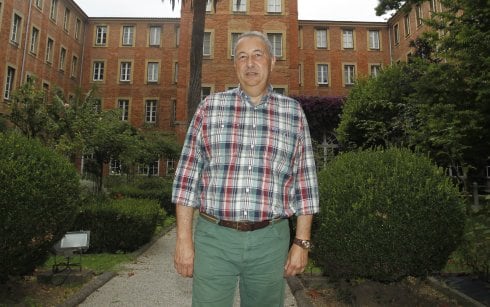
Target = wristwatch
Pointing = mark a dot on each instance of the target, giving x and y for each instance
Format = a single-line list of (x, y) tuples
[(306, 244)]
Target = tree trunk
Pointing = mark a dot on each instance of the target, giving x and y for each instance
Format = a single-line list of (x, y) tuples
[(194, 88)]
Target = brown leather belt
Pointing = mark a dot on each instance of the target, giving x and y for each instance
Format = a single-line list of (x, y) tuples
[(240, 226)]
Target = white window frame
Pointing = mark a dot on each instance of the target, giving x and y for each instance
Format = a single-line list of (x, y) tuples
[(396, 34), (49, 50), (53, 12), (74, 66), (125, 71), (374, 41), (233, 40), (115, 167), (374, 70), (419, 15), (128, 35), (277, 45), (242, 8), (9, 82), (274, 6), (152, 71), (406, 23), (16, 25), (101, 35), (63, 52), (33, 47), (66, 19), (98, 71), (155, 36), (321, 38), (123, 105), (206, 44), (322, 74), (348, 39), (151, 111), (349, 74)]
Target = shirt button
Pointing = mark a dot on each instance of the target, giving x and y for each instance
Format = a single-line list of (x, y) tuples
[(249, 168), (247, 190)]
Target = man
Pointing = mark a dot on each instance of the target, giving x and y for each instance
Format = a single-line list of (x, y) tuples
[(247, 165)]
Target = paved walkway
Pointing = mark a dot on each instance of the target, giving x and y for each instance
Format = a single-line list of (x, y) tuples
[(152, 281)]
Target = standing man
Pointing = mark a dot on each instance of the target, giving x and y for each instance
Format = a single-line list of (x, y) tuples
[(247, 165)]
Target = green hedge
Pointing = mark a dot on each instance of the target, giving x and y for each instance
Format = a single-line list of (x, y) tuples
[(386, 214), (39, 193), (119, 225), (156, 188)]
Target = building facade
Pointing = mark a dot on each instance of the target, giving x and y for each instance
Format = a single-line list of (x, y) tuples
[(141, 65)]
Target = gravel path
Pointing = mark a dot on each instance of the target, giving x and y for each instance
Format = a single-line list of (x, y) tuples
[(152, 281)]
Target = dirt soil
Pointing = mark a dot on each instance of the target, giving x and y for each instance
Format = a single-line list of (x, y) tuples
[(409, 292)]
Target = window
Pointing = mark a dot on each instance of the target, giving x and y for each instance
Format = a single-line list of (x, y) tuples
[(176, 72), (9, 82), (374, 70), (74, 66), (54, 10), (419, 15), (239, 8), (49, 51), (16, 25), (62, 58), (125, 72), (322, 74), (39, 4), (406, 21), (97, 105), (115, 167), (374, 39), (151, 111), (98, 71), (209, 6), (206, 44), (153, 71), (148, 170), (276, 40), (66, 19), (78, 26), (234, 39), (170, 167), (274, 6), (348, 39), (349, 74), (101, 35), (396, 34), (321, 38), (128, 36), (123, 105), (279, 90), (155, 36), (432, 5), (173, 114), (205, 91), (34, 40)]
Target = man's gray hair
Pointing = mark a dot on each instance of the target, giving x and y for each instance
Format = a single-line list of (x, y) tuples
[(258, 34)]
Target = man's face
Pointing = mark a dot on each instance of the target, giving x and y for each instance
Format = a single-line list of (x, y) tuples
[(253, 65)]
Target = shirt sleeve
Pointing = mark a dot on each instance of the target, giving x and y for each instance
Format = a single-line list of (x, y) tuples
[(307, 199), (186, 185)]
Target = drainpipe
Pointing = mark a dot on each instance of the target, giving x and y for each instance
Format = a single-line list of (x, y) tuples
[(26, 41)]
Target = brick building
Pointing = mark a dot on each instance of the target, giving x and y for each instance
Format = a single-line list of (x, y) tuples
[(141, 65)]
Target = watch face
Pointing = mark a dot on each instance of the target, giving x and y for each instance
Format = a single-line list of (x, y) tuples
[(306, 244)]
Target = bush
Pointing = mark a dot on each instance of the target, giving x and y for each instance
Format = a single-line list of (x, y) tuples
[(119, 225), (39, 191), (386, 215), (156, 188)]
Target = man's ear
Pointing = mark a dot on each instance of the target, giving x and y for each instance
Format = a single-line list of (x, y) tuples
[(273, 62)]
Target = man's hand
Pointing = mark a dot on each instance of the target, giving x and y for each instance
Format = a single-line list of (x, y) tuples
[(184, 248), (296, 262), (184, 257)]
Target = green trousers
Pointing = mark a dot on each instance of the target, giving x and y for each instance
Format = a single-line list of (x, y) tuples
[(254, 259)]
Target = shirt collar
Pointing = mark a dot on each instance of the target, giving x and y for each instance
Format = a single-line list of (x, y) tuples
[(264, 99)]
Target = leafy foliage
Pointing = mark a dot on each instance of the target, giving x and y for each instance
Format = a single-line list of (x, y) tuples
[(119, 225), (385, 215), (39, 194)]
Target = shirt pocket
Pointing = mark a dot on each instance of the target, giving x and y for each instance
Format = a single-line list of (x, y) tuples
[(281, 150)]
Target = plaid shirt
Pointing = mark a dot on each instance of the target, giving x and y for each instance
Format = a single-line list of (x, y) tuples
[(246, 162)]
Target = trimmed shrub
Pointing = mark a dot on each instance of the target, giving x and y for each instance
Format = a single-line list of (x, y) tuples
[(385, 215), (156, 188), (39, 191), (119, 225)]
